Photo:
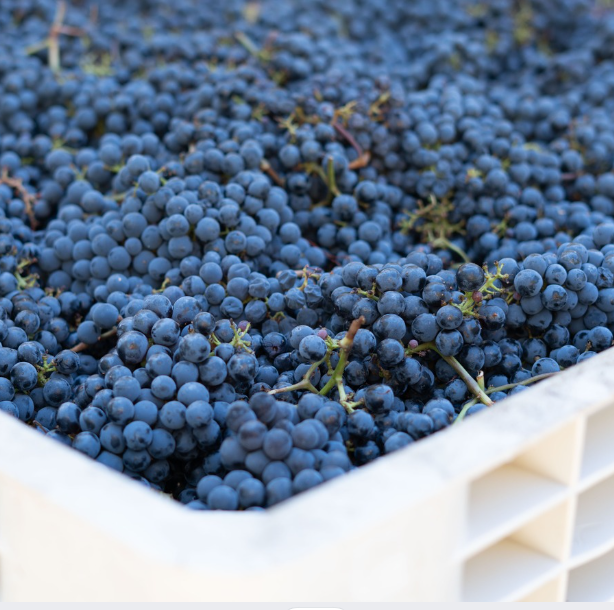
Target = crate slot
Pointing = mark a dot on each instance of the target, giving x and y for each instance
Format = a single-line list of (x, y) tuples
[(592, 582), (594, 527), (508, 570), (598, 456), (550, 532), (551, 591), (502, 500), (556, 455)]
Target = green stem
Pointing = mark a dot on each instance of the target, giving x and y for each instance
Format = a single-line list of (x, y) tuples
[(350, 406), (336, 379), (332, 382), (487, 290), (464, 410), (39, 46), (345, 346), (501, 388), (423, 347), (342, 395), (237, 341), (368, 294), (330, 175), (304, 383), (443, 242), (511, 386), (470, 382), (247, 44), (480, 379)]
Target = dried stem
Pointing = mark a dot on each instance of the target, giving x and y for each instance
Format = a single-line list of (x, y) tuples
[(348, 136), (28, 198), (83, 346), (266, 167)]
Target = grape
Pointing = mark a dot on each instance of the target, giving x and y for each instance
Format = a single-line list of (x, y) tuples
[(449, 317), (425, 327), (163, 387), (251, 493), (88, 443), (277, 444), (390, 352), (199, 413), (277, 490), (132, 347), (138, 435), (194, 347), (306, 479), (397, 441), (528, 283), (470, 277), (312, 348), (173, 415), (23, 376)]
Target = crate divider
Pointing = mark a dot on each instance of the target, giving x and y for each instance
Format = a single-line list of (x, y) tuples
[(503, 500), (551, 591), (598, 454), (594, 527), (506, 571), (592, 581)]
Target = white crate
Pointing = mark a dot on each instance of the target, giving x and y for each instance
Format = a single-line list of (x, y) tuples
[(514, 504)]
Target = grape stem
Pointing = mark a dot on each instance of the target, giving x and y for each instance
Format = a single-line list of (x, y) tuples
[(52, 43), (330, 180), (266, 167), (336, 377), (251, 47), (363, 157), (501, 388), (345, 346), (470, 382), (511, 386), (304, 383), (480, 379), (39, 426), (29, 199), (444, 242), (488, 290), (43, 370), (83, 346), (464, 410)]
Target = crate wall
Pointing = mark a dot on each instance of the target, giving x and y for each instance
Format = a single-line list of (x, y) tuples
[(516, 504)]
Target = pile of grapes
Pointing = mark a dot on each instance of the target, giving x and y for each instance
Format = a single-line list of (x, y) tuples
[(248, 246)]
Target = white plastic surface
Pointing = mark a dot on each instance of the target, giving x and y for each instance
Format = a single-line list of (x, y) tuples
[(516, 503)]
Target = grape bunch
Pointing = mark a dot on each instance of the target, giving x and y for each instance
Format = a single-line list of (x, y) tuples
[(247, 248)]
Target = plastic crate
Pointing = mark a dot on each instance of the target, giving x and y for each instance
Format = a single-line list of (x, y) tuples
[(516, 503)]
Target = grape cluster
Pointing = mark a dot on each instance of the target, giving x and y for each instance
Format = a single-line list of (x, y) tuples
[(247, 248)]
